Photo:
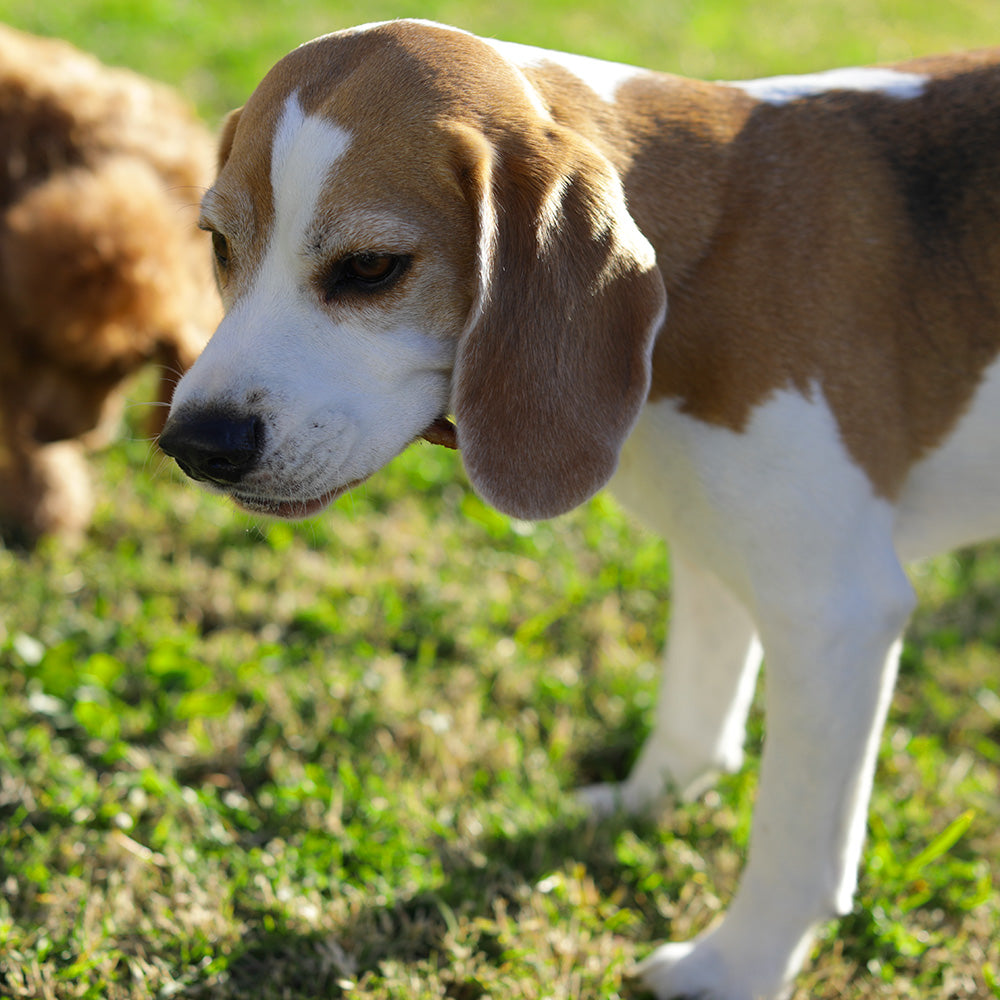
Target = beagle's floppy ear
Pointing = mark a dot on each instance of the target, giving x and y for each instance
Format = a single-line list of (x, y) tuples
[(226, 136), (553, 366)]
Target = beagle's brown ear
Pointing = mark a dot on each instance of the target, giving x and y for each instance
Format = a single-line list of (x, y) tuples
[(226, 136), (554, 364)]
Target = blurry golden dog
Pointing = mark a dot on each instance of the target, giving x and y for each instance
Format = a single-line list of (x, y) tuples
[(102, 267)]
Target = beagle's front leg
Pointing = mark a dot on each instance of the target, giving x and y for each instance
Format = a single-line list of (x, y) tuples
[(784, 518), (831, 645), (709, 672)]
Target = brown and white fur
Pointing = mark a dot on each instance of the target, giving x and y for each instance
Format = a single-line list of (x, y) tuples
[(102, 267), (766, 312)]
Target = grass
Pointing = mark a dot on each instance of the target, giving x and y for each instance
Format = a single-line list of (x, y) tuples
[(242, 760)]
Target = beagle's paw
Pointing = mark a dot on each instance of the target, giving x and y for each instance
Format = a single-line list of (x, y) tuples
[(700, 970), (614, 798)]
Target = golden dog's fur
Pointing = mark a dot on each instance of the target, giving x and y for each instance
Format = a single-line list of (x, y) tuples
[(102, 268)]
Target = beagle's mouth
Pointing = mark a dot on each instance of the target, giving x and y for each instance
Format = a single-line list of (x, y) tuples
[(291, 510), (441, 432)]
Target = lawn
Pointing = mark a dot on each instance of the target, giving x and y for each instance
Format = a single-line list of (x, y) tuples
[(262, 761)]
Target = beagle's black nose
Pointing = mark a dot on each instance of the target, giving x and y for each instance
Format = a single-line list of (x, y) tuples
[(213, 447)]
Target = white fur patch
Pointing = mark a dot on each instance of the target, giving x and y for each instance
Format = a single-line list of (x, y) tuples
[(723, 497), (602, 77), (785, 89)]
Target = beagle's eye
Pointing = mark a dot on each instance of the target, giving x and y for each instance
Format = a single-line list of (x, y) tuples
[(364, 273), (370, 268), (220, 245)]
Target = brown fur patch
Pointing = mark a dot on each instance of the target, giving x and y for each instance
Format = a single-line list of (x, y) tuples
[(858, 250)]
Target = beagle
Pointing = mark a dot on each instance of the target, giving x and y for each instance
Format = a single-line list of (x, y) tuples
[(768, 313)]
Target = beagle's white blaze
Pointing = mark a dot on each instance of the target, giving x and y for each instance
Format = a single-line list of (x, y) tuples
[(304, 151), (785, 89)]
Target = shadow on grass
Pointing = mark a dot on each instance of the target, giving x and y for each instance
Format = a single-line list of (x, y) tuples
[(273, 962)]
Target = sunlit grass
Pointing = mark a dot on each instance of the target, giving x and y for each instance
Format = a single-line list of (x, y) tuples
[(251, 760)]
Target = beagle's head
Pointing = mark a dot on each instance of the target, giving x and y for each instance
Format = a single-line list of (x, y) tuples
[(403, 231)]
